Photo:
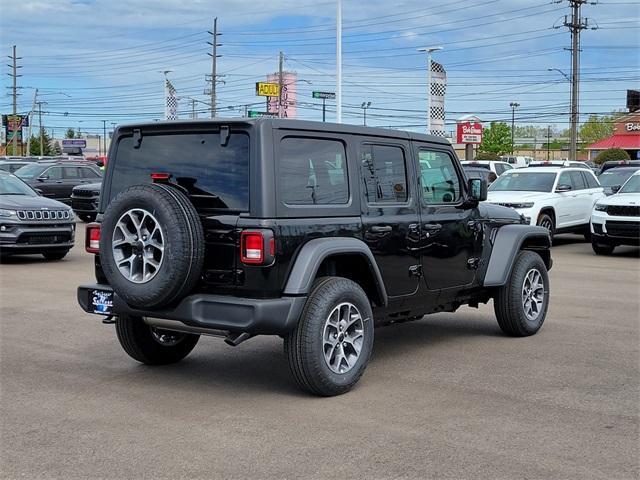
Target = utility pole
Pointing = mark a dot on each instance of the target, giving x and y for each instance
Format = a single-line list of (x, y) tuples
[(104, 136), (280, 83), (40, 102), (214, 67), (193, 108), (14, 69), (513, 106), (339, 61), (364, 107), (548, 142), (33, 109), (575, 26)]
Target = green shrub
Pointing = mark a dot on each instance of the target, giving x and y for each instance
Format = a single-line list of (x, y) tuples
[(611, 154), (487, 156)]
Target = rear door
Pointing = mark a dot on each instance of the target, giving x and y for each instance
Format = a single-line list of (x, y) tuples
[(390, 213), (583, 195), (51, 183)]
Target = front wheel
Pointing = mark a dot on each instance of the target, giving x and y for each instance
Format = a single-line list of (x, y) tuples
[(547, 222), (521, 304), (150, 345), (330, 347)]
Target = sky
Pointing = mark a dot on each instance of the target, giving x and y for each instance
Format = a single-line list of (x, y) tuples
[(101, 60)]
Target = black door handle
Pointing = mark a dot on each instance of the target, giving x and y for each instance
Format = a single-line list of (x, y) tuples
[(431, 227), (381, 228)]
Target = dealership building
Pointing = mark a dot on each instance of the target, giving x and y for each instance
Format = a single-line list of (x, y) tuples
[(626, 136)]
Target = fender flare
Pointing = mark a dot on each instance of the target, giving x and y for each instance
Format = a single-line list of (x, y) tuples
[(506, 245), (314, 252)]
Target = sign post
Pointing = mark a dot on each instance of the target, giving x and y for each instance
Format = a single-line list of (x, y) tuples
[(324, 96)]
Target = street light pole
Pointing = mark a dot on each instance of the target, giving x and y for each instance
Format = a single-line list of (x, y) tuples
[(429, 50), (364, 107), (513, 106)]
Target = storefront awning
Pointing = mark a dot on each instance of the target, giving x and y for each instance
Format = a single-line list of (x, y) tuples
[(625, 142)]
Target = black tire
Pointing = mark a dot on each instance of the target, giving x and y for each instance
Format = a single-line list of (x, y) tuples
[(545, 220), (138, 340), (55, 254), (587, 234), (602, 248), (508, 303), (304, 346), (87, 217), (183, 254)]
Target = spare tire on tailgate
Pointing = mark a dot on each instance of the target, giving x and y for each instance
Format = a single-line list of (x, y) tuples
[(151, 245)]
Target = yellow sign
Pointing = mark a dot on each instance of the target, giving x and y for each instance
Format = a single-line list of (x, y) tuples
[(265, 89)]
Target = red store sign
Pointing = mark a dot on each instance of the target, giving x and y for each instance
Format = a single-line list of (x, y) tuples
[(469, 132)]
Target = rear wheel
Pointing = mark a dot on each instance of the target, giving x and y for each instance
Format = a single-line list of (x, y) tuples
[(150, 345), (601, 248), (521, 304), (330, 347)]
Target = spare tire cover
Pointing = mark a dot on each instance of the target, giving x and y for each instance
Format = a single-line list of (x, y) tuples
[(151, 245)]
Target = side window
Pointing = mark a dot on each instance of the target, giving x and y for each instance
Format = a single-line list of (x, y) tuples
[(54, 173), (71, 173), (590, 179), (499, 169), (88, 173), (385, 173), (565, 179), (313, 171), (438, 177), (577, 181)]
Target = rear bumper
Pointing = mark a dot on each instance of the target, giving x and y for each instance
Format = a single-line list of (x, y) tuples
[(275, 316)]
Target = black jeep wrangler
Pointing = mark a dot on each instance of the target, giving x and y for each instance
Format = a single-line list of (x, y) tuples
[(312, 231)]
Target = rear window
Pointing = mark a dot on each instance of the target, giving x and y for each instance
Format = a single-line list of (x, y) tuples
[(215, 176)]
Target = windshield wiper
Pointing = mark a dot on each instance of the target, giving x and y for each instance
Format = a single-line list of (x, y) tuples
[(12, 193)]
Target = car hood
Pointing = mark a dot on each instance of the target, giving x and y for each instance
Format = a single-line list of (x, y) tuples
[(621, 199), (19, 202), (497, 212), (516, 197), (94, 187)]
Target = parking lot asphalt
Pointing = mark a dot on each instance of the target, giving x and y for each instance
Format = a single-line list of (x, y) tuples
[(445, 397)]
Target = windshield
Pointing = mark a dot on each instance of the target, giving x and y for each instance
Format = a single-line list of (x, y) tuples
[(613, 177), (29, 171), (632, 185), (10, 185), (524, 182)]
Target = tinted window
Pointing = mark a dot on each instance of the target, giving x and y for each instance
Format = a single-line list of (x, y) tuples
[(591, 180), (215, 176), (30, 171), (524, 182), (385, 173), (10, 185), (438, 177), (577, 181), (313, 171), (54, 173), (71, 173), (88, 173)]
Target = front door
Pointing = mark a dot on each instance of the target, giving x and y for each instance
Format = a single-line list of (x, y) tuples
[(451, 233), (390, 214)]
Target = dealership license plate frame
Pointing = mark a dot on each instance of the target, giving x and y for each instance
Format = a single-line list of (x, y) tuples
[(101, 301)]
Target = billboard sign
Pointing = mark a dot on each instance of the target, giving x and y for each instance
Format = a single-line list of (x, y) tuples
[(289, 93), (266, 89), (469, 132), (324, 95), (74, 142), (11, 121)]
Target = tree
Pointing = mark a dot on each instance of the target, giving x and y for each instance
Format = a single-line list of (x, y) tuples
[(56, 149), (34, 144), (70, 133), (612, 154), (598, 127), (496, 139)]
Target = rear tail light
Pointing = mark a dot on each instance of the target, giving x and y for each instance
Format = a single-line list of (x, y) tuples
[(92, 238), (257, 247)]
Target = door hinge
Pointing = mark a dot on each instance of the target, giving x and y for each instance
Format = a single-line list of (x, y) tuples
[(415, 271)]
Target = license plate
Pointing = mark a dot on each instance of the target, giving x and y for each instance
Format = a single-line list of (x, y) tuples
[(101, 301)]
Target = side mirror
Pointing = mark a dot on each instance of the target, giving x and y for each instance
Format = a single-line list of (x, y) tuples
[(42, 178), (477, 189), (38, 191), (616, 188), (563, 188)]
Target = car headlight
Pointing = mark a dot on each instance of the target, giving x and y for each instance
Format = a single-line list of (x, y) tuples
[(7, 213), (71, 215), (521, 205), (600, 207)]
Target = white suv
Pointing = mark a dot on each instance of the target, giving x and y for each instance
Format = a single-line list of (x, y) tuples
[(616, 219), (496, 167), (558, 198)]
